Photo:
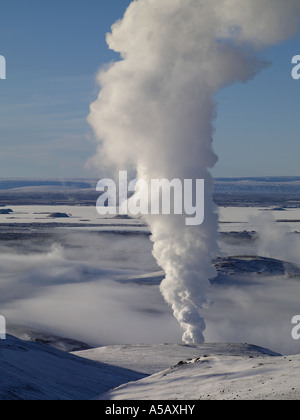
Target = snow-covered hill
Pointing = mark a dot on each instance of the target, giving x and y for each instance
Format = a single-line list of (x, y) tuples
[(152, 359), (224, 372), (34, 371), (52, 340), (204, 371)]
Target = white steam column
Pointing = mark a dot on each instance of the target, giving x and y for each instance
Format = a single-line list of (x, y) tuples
[(156, 108)]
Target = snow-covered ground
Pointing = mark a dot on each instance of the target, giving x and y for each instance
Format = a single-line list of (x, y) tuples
[(151, 358), (79, 217), (218, 377), (204, 371), (35, 371), (237, 219)]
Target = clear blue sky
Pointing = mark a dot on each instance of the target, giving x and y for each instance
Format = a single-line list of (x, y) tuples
[(53, 51)]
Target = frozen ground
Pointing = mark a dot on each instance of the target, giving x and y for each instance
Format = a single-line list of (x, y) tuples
[(218, 377), (34, 371), (150, 359)]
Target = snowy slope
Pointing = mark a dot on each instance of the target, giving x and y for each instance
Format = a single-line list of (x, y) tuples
[(52, 340), (218, 377), (34, 371), (151, 359)]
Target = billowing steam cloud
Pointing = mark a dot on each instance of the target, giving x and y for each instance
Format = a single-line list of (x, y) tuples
[(156, 108)]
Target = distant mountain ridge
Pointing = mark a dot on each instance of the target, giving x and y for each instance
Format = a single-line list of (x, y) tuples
[(256, 191)]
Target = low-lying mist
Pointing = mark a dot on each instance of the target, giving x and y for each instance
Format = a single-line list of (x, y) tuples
[(85, 286), (79, 285)]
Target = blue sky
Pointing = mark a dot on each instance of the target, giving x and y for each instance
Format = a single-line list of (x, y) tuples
[(258, 124), (53, 50)]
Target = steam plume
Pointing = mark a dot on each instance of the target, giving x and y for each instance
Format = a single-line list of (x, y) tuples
[(156, 109)]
